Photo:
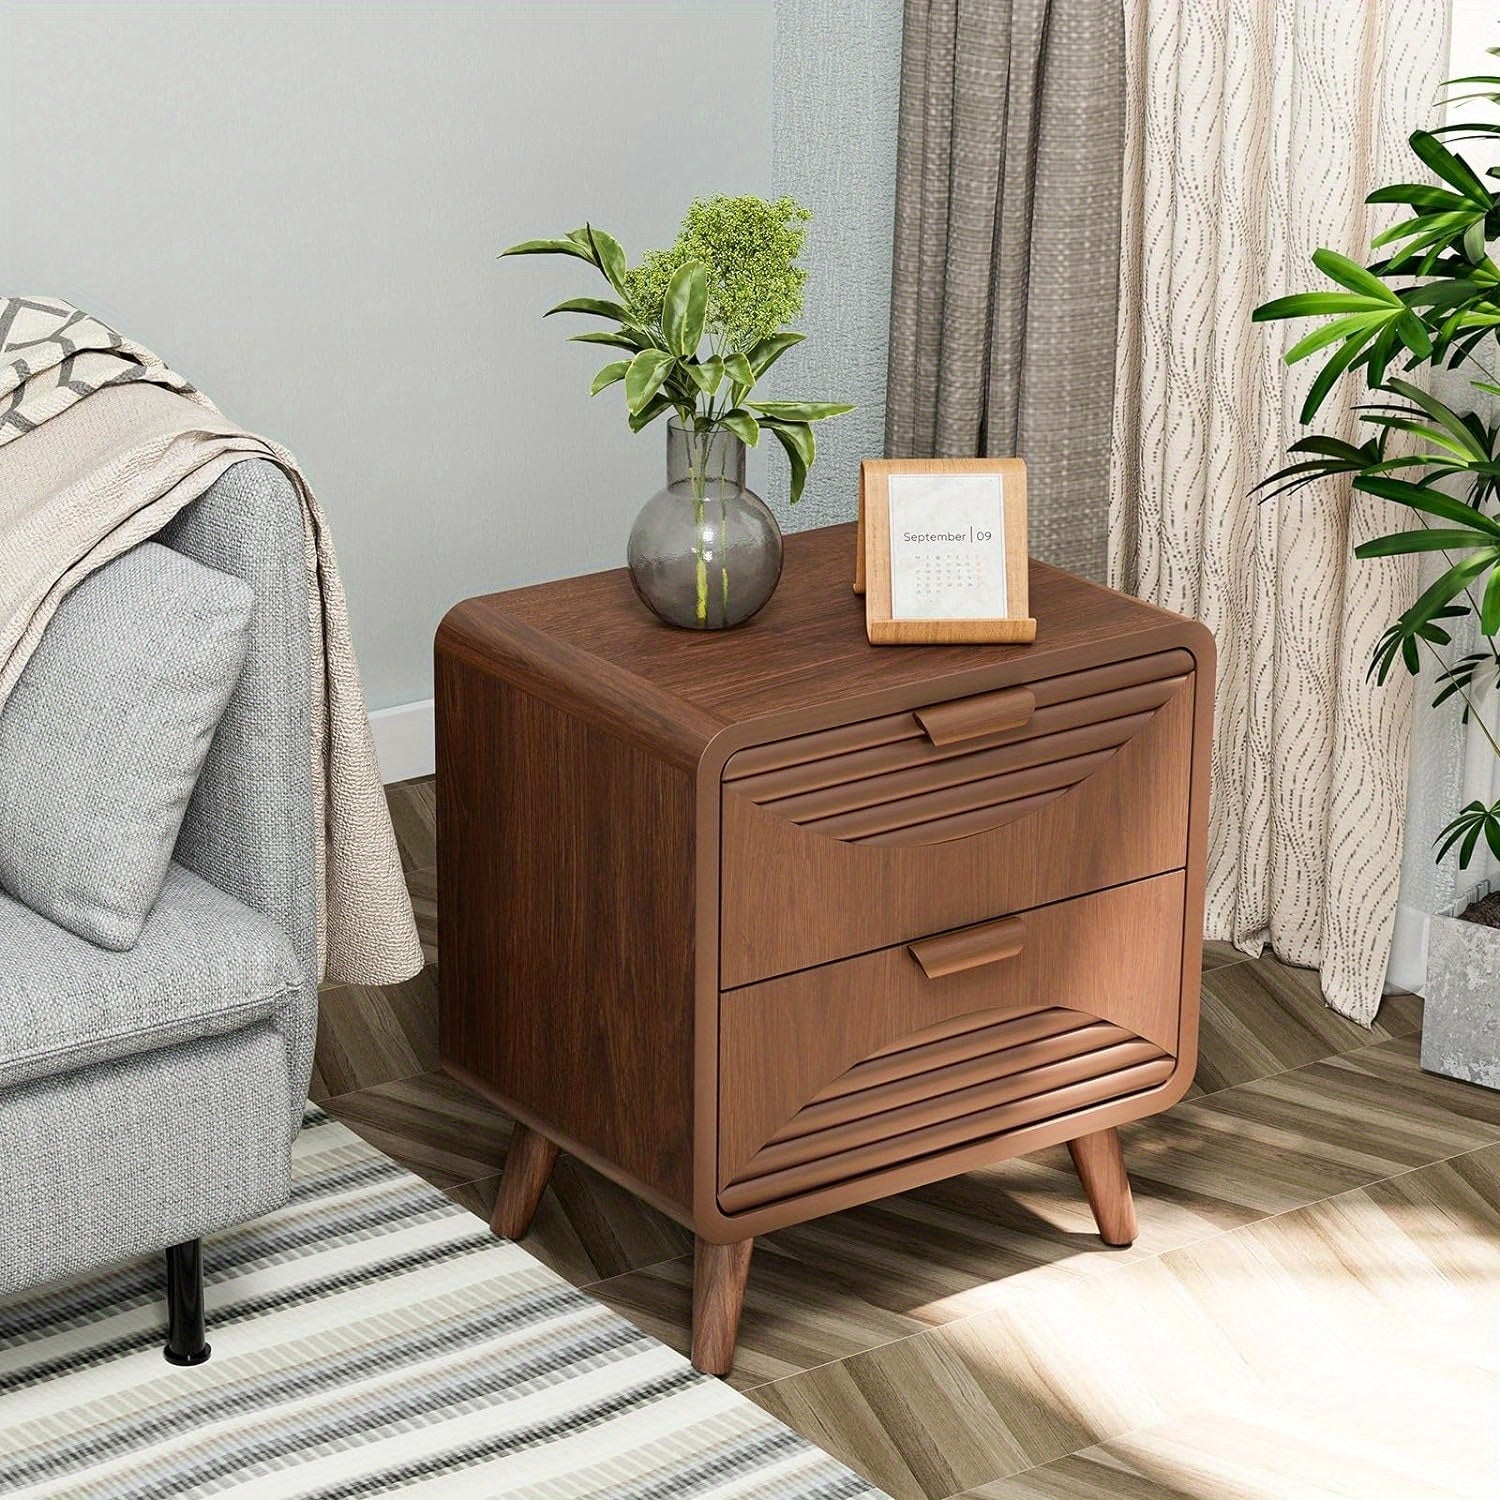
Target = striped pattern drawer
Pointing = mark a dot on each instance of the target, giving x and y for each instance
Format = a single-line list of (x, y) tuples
[(907, 823), (885, 781), (883, 1064), (987, 1093)]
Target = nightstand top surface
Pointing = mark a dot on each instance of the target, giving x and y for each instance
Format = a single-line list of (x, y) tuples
[(806, 648)]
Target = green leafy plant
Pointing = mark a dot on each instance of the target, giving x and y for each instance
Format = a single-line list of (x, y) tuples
[(1432, 299), (701, 322)]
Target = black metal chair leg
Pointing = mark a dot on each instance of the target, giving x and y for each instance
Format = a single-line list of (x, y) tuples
[(185, 1340)]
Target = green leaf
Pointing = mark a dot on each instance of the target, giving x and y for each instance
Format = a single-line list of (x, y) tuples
[(1452, 169), (1427, 229), (1470, 842), (1433, 539), (608, 256), (1294, 476), (598, 306), (768, 351), (1430, 502), (547, 247), (1474, 820), (800, 411), (1332, 447), (1331, 333), (645, 376), (1350, 274), (1318, 305), (708, 375), (1458, 678), (609, 375), (620, 339), (1417, 195), (649, 412), (743, 426), (1489, 611), (1414, 335), (685, 307), (1381, 352), (1442, 413), (1341, 360), (790, 439), (738, 368), (800, 434), (1457, 578), (1396, 423)]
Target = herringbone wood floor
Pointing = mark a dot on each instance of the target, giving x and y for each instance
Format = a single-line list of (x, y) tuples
[(1312, 1307)]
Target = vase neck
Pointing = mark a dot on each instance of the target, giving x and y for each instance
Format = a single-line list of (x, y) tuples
[(709, 457)]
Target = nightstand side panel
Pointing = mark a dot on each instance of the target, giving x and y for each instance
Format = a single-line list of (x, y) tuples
[(566, 895)]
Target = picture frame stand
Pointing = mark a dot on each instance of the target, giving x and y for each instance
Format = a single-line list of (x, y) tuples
[(941, 554)]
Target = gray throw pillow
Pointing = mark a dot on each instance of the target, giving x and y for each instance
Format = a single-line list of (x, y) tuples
[(103, 737)]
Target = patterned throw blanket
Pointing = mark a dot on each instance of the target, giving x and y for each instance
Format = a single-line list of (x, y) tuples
[(115, 444)]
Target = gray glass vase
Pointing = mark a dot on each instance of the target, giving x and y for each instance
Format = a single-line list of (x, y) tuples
[(705, 552)]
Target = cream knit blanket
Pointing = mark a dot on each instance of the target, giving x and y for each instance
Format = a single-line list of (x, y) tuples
[(115, 445)]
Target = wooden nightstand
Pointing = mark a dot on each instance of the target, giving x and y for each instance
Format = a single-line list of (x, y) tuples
[(768, 923)]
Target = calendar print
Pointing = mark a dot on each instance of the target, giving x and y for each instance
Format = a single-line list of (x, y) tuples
[(947, 546)]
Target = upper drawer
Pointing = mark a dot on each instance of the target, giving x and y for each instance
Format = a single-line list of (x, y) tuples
[(889, 828)]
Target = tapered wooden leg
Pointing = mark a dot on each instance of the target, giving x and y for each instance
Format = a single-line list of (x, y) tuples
[(528, 1165), (719, 1273), (1101, 1169)]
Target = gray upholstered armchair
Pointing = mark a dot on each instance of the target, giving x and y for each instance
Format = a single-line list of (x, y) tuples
[(150, 1097)]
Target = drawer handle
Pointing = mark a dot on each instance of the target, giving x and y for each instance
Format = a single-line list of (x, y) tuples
[(972, 948), (985, 713)]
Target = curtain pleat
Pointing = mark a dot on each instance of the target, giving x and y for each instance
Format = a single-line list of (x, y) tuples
[(1254, 131), (1006, 256)]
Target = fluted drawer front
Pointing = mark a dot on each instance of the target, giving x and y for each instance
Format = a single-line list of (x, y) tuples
[(841, 1071), (914, 822)]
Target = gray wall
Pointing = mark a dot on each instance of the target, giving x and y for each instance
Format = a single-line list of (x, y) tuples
[(836, 92), (298, 205)]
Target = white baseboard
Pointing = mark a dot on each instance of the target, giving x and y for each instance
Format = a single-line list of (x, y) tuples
[(405, 740)]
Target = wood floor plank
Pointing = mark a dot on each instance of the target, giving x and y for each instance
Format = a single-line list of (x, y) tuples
[(1050, 1373), (421, 886), (1095, 1474), (369, 1036), (1405, 1430), (413, 807), (796, 1315), (1218, 955), (1275, 1144), (947, 1250), (1369, 1287), (431, 1125), (1263, 1017), (587, 1228)]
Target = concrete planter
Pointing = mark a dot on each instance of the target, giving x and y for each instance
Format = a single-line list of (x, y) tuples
[(1461, 1014)]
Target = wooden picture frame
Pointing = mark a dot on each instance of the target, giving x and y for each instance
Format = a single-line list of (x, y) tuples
[(875, 562)]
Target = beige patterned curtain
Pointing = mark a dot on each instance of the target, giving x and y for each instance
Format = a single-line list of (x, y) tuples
[(1255, 128), (1006, 250)]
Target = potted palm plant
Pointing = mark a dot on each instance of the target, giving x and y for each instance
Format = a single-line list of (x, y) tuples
[(699, 324), (1430, 299)]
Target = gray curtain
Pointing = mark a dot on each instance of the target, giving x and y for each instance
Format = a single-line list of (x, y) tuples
[(1007, 250)]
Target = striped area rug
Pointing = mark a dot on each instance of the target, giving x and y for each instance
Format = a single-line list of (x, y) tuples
[(373, 1338)]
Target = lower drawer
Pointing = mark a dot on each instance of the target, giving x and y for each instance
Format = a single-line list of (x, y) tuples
[(854, 1067)]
